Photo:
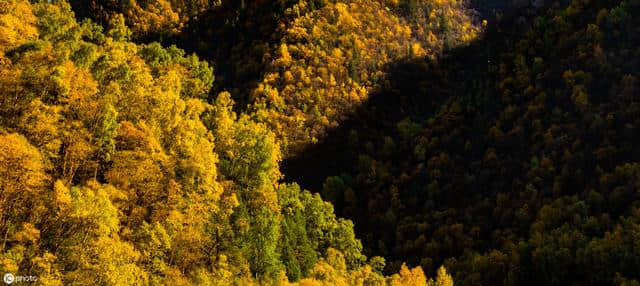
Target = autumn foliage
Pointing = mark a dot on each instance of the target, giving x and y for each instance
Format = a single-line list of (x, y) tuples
[(172, 142), (116, 170)]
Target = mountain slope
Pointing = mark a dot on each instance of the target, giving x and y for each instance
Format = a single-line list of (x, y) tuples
[(511, 160), (115, 170)]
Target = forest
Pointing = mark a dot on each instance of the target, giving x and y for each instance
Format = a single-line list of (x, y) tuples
[(320, 142)]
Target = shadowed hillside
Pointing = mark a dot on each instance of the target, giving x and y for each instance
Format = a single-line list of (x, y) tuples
[(510, 160), (386, 127)]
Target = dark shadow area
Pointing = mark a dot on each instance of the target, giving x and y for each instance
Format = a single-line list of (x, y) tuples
[(238, 40), (416, 89), (368, 167), (486, 160)]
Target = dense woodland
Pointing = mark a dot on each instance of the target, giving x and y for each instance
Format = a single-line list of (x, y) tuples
[(166, 142)]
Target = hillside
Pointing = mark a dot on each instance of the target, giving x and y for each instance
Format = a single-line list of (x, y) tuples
[(116, 170), (511, 160), (320, 142)]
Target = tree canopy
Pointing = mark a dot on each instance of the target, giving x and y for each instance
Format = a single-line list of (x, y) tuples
[(320, 142)]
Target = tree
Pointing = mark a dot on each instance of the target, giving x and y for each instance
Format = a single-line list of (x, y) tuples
[(22, 179), (17, 25)]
